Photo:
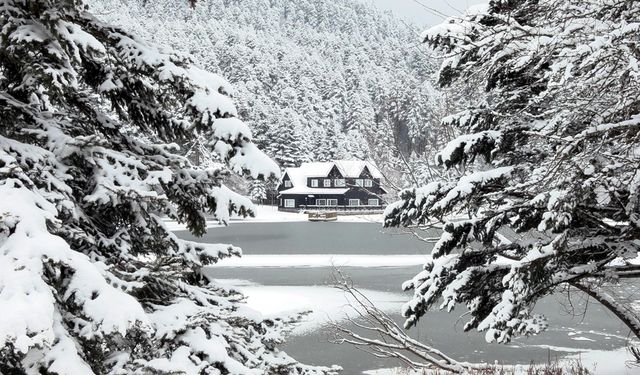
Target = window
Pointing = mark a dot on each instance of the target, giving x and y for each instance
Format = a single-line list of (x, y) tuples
[(368, 182), (327, 182), (321, 202), (290, 203), (373, 202), (332, 202), (340, 182), (354, 202), (287, 184), (359, 182), (314, 183)]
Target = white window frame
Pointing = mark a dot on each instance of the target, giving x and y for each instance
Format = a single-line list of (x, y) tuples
[(352, 201), (314, 182), (340, 182), (368, 182), (332, 202), (321, 202), (290, 203), (288, 184), (359, 182), (376, 200), (327, 182)]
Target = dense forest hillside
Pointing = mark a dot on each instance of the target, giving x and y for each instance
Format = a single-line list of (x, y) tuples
[(314, 79)]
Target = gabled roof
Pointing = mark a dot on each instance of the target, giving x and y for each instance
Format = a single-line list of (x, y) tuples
[(315, 169), (297, 176), (347, 168), (354, 168)]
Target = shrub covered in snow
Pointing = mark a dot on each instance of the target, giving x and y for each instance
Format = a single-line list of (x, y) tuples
[(560, 138), (91, 280)]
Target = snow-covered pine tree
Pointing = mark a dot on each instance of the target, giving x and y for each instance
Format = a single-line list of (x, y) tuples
[(258, 191), (359, 113), (557, 154), (198, 152), (353, 146), (91, 280), (286, 143), (321, 54), (318, 139)]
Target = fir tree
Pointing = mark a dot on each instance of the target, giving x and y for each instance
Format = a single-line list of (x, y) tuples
[(91, 280), (327, 62), (359, 115), (286, 143), (552, 154), (258, 191)]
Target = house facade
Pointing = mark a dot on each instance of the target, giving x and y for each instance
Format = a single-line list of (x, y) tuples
[(348, 184)]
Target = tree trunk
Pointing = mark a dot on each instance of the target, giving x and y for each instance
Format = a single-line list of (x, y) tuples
[(624, 313)]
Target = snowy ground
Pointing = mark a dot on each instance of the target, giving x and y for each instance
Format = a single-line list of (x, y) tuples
[(270, 214), (326, 303), (598, 362)]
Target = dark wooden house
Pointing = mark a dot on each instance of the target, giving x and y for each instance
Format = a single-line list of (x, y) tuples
[(339, 184)]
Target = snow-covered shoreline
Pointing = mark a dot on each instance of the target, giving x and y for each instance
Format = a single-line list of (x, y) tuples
[(270, 214), (326, 303), (598, 362)]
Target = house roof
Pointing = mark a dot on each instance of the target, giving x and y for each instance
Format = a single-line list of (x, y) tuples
[(353, 168), (348, 168), (314, 169)]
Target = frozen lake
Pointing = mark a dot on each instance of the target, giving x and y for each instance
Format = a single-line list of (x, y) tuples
[(288, 266)]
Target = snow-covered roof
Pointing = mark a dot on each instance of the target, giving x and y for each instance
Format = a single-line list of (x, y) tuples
[(353, 168), (348, 168), (315, 169), (297, 176)]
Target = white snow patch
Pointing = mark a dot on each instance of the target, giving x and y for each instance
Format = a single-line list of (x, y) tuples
[(607, 362), (582, 338), (600, 362), (559, 348), (382, 371), (326, 303)]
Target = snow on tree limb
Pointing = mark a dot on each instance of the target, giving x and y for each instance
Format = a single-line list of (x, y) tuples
[(561, 119), (89, 165), (27, 251), (467, 146)]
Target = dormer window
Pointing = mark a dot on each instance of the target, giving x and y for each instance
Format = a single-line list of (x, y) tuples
[(368, 182), (339, 182), (287, 184), (314, 183), (327, 182), (359, 182)]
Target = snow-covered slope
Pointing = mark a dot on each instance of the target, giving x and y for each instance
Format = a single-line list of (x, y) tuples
[(315, 79)]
